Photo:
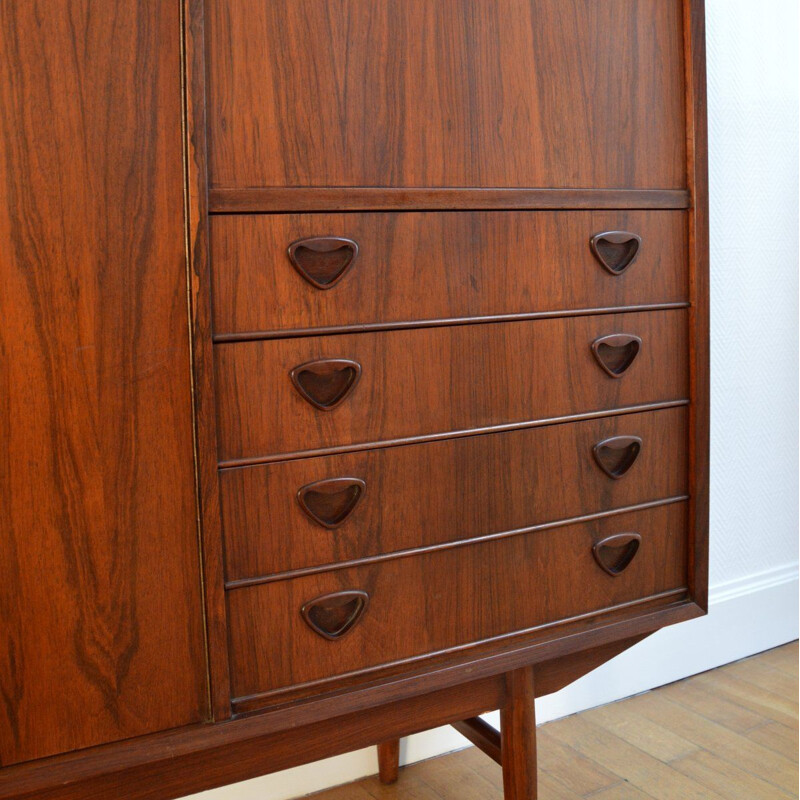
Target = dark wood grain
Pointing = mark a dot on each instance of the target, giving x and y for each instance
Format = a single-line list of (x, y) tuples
[(699, 317), (474, 109), (433, 266), (361, 198), (443, 491), (432, 93), (199, 281), (101, 634), (427, 381), (518, 737), (433, 602)]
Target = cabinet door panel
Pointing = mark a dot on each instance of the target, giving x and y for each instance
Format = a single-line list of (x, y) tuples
[(486, 93), (100, 609)]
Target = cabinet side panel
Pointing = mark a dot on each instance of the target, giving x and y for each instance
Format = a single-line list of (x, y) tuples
[(699, 318), (100, 606)]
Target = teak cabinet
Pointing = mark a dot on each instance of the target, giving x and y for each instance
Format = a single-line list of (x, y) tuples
[(353, 375)]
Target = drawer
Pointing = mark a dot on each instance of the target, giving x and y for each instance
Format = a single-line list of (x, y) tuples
[(444, 93), (429, 603), (390, 268), (370, 387), (313, 511)]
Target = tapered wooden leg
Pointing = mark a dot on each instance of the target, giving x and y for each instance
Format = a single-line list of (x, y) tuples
[(518, 737), (388, 760)]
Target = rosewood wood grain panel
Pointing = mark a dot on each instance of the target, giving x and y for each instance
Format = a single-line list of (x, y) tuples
[(419, 382), (427, 603), (455, 489), (100, 608), (433, 266), (438, 93), (199, 282)]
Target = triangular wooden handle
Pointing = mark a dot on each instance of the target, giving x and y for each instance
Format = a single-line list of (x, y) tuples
[(330, 502), (323, 260), (327, 382), (333, 615), (616, 250), (615, 553), (615, 353), (615, 456)]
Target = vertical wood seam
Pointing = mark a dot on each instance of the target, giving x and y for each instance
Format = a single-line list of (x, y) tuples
[(189, 323)]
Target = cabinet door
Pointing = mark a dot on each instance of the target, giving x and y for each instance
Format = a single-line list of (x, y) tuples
[(100, 602), (482, 93)]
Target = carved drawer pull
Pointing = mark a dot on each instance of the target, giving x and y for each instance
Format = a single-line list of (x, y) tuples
[(323, 260), (327, 382), (615, 553), (616, 250), (616, 353), (334, 615), (615, 456), (330, 502)]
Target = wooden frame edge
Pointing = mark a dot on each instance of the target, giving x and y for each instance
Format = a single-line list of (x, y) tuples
[(202, 358), (697, 180)]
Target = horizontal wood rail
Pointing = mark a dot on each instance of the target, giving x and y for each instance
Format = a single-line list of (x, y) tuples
[(271, 199), (291, 333), (436, 437), (243, 583)]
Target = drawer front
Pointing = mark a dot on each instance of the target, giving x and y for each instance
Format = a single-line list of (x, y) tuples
[(362, 269), (431, 602), (314, 511), (442, 93), (405, 383)]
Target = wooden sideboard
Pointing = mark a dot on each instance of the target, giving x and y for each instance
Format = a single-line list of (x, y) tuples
[(353, 371)]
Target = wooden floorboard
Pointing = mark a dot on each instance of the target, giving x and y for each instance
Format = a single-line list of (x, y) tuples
[(731, 733)]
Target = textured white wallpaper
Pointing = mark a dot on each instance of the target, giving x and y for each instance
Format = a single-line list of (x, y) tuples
[(753, 144)]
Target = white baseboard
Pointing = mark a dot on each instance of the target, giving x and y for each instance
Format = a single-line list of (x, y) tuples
[(745, 617)]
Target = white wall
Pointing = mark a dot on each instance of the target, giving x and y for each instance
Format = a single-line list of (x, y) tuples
[(753, 133)]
